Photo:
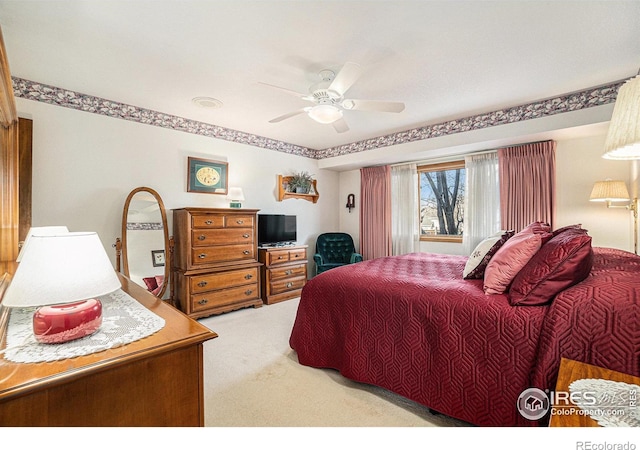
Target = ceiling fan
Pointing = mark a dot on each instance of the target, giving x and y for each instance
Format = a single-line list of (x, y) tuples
[(329, 102)]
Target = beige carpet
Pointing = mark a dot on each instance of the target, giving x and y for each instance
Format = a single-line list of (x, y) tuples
[(253, 379)]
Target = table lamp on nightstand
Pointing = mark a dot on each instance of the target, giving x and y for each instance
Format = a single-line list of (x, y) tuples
[(235, 196), (62, 274)]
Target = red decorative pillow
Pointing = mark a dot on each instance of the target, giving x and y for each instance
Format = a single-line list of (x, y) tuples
[(537, 227), (151, 283), (577, 226), (508, 260), (562, 262)]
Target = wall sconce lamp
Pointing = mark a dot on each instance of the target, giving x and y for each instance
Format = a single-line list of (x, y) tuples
[(235, 196), (62, 274), (623, 137), (351, 201), (609, 191)]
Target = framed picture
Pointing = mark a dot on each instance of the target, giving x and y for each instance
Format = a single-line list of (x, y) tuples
[(207, 176), (157, 256)]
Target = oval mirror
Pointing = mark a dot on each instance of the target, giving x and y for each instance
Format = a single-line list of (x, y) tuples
[(145, 241)]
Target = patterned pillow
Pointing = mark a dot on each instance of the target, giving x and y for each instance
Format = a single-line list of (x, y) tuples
[(482, 254), (508, 260), (562, 262)]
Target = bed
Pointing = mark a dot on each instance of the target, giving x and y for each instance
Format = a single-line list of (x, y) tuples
[(411, 324)]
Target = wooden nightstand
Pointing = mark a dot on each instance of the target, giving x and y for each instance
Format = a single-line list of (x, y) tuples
[(571, 371), (284, 272)]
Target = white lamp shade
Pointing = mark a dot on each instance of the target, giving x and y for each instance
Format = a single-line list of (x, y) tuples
[(609, 191), (40, 231), (325, 113), (60, 269), (623, 138), (235, 193)]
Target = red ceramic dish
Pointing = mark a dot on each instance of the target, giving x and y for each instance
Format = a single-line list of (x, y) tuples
[(56, 324)]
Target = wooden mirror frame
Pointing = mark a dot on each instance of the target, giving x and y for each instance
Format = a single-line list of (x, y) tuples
[(167, 249)]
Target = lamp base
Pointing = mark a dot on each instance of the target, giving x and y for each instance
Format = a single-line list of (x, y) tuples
[(56, 324), (235, 205)]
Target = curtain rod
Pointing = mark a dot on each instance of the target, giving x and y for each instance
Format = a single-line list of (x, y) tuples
[(462, 155)]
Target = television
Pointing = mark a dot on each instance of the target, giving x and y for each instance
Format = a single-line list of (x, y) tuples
[(276, 230)]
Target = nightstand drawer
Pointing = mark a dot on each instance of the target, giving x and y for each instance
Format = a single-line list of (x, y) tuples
[(280, 273), (203, 237), (298, 254), (277, 257), (208, 255), (286, 285), (203, 283), (211, 299)]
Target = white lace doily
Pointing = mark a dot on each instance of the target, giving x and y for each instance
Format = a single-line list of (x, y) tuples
[(124, 320), (610, 403)]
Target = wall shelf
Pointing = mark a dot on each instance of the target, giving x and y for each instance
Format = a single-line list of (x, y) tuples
[(283, 194)]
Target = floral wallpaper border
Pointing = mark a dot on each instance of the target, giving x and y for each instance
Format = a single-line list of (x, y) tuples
[(587, 98)]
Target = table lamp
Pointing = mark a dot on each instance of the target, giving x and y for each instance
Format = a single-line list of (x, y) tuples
[(235, 196), (62, 274), (40, 231)]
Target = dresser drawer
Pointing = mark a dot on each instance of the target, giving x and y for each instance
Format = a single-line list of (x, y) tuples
[(288, 272), (232, 278), (286, 285), (298, 254), (212, 299), (204, 237), (238, 221), (207, 221), (222, 253)]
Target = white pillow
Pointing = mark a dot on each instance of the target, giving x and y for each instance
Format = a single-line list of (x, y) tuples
[(482, 254)]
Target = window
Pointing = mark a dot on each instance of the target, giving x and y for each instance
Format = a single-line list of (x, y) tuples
[(442, 191)]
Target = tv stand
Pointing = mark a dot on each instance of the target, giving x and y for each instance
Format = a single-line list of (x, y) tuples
[(283, 273)]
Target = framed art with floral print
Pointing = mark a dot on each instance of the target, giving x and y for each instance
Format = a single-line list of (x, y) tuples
[(207, 176)]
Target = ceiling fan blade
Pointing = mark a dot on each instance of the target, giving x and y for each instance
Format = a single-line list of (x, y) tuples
[(288, 91), (348, 75), (340, 125), (287, 116), (373, 105)]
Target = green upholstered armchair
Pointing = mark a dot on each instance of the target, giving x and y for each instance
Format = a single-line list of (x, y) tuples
[(334, 250)]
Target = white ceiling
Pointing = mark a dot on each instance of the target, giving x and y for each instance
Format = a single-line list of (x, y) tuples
[(443, 59)]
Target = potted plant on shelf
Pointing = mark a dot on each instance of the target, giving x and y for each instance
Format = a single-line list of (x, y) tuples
[(300, 183)]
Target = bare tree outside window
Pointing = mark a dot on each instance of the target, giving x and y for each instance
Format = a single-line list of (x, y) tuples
[(442, 191)]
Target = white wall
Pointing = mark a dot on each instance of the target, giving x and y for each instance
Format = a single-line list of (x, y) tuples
[(85, 165), (579, 164)]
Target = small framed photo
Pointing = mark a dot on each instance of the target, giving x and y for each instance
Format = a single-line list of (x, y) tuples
[(157, 256), (207, 176)]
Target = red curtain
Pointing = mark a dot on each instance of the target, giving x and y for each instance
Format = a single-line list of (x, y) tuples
[(527, 184), (375, 212)]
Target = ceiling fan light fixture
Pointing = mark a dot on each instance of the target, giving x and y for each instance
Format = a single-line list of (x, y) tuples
[(325, 113)]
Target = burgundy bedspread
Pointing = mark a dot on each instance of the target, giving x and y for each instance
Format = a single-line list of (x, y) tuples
[(412, 325)]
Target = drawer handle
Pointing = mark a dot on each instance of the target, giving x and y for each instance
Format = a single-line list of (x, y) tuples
[(246, 235), (289, 284), (202, 284), (288, 272), (202, 255), (296, 255), (204, 301), (239, 221), (280, 257), (202, 237), (246, 252), (208, 222), (248, 292), (248, 276)]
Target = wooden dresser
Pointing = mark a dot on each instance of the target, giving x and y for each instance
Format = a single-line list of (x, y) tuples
[(215, 265), (284, 272), (153, 382)]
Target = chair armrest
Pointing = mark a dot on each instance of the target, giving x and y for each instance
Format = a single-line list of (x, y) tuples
[(318, 259), (355, 257)]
